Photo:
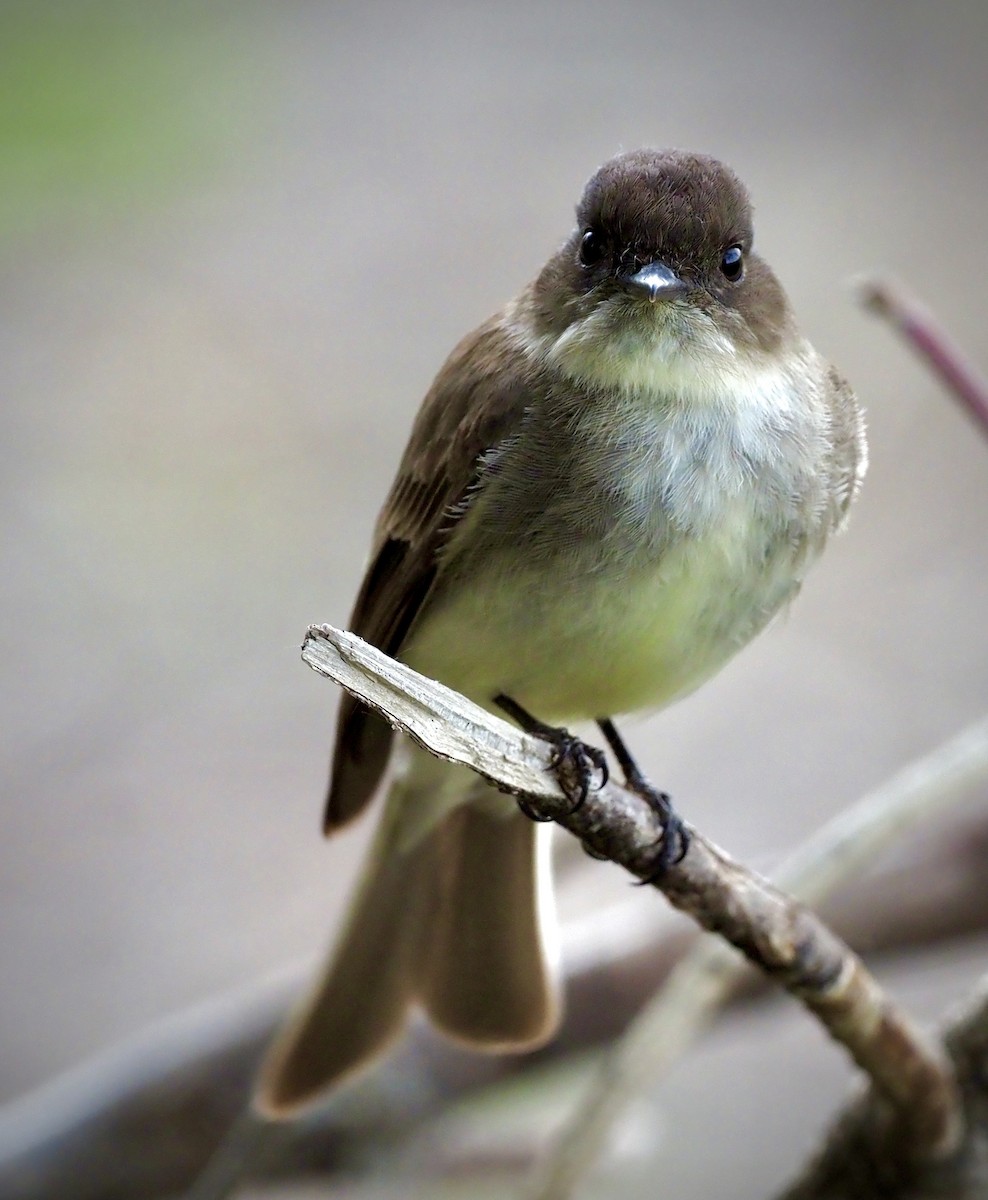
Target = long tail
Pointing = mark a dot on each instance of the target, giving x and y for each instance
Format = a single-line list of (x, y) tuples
[(457, 918)]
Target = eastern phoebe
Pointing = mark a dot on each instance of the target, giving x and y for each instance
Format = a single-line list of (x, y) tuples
[(611, 487)]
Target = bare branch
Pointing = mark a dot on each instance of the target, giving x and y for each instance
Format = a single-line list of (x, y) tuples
[(922, 331), (854, 1160), (191, 1072), (100, 1125), (710, 973), (775, 932)]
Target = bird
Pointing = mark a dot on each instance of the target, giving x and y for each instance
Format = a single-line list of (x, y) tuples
[(611, 487)]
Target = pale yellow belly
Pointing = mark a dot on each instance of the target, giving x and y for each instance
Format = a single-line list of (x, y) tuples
[(608, 645)]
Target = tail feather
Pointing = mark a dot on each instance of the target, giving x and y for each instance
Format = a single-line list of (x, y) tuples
[(489, 981), (360, 1003), (453, 917)]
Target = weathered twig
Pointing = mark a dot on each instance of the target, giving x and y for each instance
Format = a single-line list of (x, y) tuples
[(100, 1125), (854, 1162), (920, 328), (778, 934), (710, 973)]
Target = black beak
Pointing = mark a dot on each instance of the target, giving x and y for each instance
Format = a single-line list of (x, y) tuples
[(654, 280)]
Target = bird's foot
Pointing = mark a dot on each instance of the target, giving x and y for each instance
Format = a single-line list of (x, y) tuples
[(577, 766), (675, 840)]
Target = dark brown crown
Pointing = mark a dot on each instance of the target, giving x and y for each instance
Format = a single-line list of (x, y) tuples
[(667, 204)]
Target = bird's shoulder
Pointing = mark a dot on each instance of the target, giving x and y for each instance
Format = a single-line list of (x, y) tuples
[(476, 401), (478, 398)]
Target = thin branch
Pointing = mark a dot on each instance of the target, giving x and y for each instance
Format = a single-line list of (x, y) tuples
[(704, 980), (77, 1136), (854, 1162), (777, 933), (920, 328)]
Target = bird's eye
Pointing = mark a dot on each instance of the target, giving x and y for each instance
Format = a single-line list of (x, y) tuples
[(732, 263), (592, 248)]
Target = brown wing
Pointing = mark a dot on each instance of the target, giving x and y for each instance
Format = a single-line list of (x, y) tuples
[(476, 401)]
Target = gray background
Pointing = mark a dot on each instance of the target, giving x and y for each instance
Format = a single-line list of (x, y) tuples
[(227, 278)]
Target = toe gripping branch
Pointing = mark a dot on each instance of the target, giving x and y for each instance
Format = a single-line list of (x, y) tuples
[(578, 767), (675, 837)]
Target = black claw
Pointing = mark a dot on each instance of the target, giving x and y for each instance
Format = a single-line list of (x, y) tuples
[(675, 836), (590, 852), (574, 762), (675, 841), (530, 812)]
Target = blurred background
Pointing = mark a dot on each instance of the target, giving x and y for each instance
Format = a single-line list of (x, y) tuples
[(236, 242)]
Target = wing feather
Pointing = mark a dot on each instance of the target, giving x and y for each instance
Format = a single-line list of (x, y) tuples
[(476, 401)]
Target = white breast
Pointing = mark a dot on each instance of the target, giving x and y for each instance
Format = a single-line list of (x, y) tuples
[(710, 483)]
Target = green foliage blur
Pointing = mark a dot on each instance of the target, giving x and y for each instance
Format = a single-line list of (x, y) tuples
[(104, 103)]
